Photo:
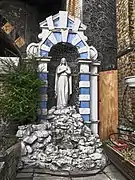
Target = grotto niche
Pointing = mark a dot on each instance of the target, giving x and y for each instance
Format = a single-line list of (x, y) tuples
[(69, 52)]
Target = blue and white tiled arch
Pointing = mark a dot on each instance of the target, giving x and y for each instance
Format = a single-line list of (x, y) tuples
[(64, 36), (64, 28)]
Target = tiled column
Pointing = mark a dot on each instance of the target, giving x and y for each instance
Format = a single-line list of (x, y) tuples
[(43, 75), (84, 86)]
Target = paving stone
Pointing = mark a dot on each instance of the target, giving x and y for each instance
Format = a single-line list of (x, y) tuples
[(47, 177), (47, 171), (24, 175), (24, 178), (96, 177), (116, 176), (28, 170), (110, 168)]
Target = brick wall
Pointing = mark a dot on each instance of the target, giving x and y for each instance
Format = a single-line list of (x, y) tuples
[(125, 24), (126, 55), (8, 163)]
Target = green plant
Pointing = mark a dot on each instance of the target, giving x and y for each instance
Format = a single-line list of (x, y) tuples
[(20, 91)]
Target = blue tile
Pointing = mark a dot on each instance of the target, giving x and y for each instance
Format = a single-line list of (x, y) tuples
[(43, 53), (70, 23), (84, 55), (43, 76), (84, 90), (43, 90), (56, 22), (43, 104), (84, 77), (84, 104), (57, 36), (80, 44), (71, 37), (48, 43), (86, 117)]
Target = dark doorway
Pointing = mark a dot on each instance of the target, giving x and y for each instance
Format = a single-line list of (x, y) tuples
[(71, 54)]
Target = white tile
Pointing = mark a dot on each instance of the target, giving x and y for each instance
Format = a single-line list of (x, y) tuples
[(42, 67), (84, 68), (84, 110), (76, 24), (45, 48), (84, 84), (84, 97), (83, 49), (63, 19), (64, 35), (50, 22)]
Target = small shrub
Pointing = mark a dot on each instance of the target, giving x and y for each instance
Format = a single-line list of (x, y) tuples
[(20, 92)]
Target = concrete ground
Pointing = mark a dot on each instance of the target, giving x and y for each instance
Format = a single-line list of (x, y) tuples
[(109, 173)]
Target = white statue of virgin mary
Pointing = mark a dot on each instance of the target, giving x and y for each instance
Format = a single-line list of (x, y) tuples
[(63, 84)]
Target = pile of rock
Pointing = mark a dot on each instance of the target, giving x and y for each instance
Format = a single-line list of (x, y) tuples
[(62, 142)]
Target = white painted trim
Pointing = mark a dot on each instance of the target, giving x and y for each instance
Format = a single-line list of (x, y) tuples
[(64, 34), (63, 19), (84, 110), (45, 48), (93, 53), (94, 99), (83, 49), (84, 97), (84, 68), (50, 22), (84, 84), (76, 24)]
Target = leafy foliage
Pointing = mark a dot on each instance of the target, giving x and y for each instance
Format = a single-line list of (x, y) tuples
[(20, 93)]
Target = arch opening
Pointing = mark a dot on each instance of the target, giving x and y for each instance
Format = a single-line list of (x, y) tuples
[(71, 54)]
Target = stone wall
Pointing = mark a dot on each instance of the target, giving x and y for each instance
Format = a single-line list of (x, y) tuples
[(8, 163), (100, 18), (126, 57)]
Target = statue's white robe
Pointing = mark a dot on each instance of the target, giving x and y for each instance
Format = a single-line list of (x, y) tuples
[(63, 85)]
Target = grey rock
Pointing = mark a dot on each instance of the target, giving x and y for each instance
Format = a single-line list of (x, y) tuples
[(77, 115), (49, 117), (41, 134), (96, 156), (47, 140), (19, 133), (40, 140), (30, 139), (23, 149), (29, 149), (52, 110), (63, 143)]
